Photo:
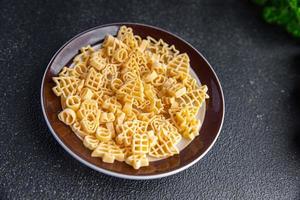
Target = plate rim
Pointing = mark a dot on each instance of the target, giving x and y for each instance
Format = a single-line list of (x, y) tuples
[(116, 174)]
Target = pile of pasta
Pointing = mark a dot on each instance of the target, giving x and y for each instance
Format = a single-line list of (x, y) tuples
[(130, 99)]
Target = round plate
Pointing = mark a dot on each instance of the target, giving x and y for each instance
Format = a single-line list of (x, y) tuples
[(209, 131)]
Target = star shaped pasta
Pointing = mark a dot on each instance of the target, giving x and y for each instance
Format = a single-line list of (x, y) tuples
[(137, 161)]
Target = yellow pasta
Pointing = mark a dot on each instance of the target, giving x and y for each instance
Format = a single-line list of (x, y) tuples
[(140, 143), (68, 116), (90, 142), (98, 61), (86, 93), (65, 86), (109, 152), (137, 161), (131, 99), (73, 102), (103, 134)]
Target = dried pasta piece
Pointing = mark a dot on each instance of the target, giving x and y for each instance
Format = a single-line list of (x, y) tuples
[(177, 90), (133, 89), (73, 102), (101, 95), (112, 45), (146, 117), (159, 80), (125, 34), (110, 72), (86, 93), (111, 104), (127, 151), (120, 55), (137, 161), (120, 117), (63, 102), (178, 67), (158, 67), (130, 76), (173, 136), (94, 80), (81, 69), (98, 61), (163, 149), (67, 116), (107, 117), (153, 139), (77, 129), (140, 144), (116, 84), (190, 83), (150, 77), (90, 142), (192, 130), (110, 127), (103, 134), (88, 106), (90, 123), (67, 72), (65, 86), (109, 152), (128, 129)]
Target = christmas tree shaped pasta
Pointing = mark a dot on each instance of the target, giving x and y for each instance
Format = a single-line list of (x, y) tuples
[(65, 86), (179, 66), (109, 152)]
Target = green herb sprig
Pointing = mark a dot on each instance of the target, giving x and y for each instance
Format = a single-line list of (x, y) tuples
[(285, 13)]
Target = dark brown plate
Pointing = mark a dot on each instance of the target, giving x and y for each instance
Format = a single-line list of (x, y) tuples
[(209, 132)]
